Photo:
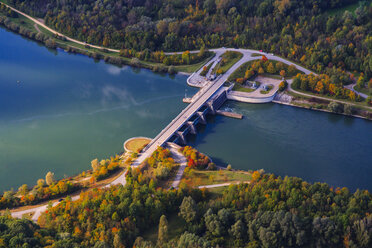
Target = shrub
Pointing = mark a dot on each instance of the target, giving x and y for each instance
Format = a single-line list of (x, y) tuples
[(335, 107), (348, 109), (283, 85)]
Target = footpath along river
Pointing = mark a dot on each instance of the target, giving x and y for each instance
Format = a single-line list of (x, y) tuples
[(59, 111)]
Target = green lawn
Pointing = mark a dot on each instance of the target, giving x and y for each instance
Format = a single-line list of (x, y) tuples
[(196, 178), (204, 72), (229, 58), (364, 90), (239, 87)]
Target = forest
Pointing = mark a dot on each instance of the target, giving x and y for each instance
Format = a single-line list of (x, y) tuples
[(301, 30), (269, 212)]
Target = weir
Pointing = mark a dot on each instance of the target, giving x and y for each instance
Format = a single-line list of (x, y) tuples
[(207, 101)]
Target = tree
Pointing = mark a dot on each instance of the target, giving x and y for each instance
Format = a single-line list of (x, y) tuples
[(348, 109), (163, 230), (283, 85), (50, 43), (256, 175), (261, 70), (352, 95), (292, 69), (40, 183), (49, 178), (282, 73), (23, 190), (95, 164), (369, 100), (319, 87), (271, 68), (335, 107), (186, 57), (229, 167), (188, 209), (238, 230)]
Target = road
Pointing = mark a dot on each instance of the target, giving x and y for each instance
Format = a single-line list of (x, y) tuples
[(320, 97), (57, 33), (219, 185), (351, 87), (38, 210)]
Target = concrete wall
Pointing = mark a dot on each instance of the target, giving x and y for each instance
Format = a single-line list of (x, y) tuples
[(242, 98)]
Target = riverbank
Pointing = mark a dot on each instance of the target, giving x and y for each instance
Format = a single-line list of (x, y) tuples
[(321, 110), (307, 102)]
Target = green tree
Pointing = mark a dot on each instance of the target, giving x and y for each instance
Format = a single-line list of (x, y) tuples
[(335, 107), (188, 209), (163, 230)]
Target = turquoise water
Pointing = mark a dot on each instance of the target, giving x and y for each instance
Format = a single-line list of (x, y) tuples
[(59, 111)]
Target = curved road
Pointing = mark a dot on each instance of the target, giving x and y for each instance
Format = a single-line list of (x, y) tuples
[(57, 33)]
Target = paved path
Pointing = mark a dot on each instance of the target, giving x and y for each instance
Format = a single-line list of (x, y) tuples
[(220, 185), (38, 210), (351, 87), (40, 23), (320, 97), (182, 161)]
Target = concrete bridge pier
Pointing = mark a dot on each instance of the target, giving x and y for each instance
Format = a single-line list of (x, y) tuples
[(182, 138), (192, 127), (202, 118), (211, 108)]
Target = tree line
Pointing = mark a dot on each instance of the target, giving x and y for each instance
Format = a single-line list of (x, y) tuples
[(271, 211)]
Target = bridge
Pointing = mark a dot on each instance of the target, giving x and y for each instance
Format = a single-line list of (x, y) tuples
[(207, 100)]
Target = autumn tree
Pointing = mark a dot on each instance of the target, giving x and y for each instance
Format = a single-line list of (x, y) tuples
[(95, 164), (49, 178), (271, 68)]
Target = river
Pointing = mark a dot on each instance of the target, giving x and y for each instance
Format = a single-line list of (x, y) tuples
[(59, 111)]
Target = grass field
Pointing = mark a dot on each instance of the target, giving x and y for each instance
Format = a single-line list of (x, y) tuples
[(196, 178)]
